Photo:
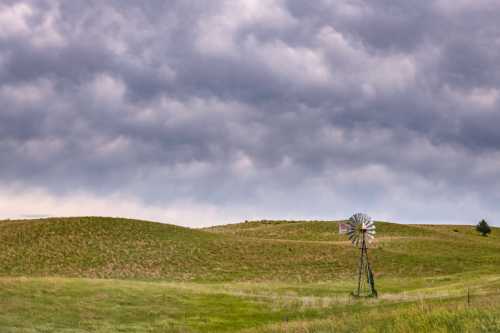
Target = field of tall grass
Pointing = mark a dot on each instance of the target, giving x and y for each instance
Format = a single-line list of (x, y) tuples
[(119, 275), (96, 305)]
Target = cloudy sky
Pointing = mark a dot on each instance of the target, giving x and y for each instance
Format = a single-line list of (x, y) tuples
[(209, 112)]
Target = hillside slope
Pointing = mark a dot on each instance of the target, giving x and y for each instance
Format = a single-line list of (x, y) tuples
[(328, 230), (255, 251)]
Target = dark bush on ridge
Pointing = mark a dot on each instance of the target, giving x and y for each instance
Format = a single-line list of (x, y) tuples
[(483, 228)]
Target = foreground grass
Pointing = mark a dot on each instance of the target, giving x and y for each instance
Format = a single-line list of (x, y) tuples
[(424, 317), (78, 305), (92, 305)]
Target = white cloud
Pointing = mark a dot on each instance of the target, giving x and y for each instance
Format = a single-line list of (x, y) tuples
[(475, 99), (46, 33), (13, 20), (217, 31), (28, 94), (23, 21), (19, 202), (296, 64), (352, 65), (106, 89)]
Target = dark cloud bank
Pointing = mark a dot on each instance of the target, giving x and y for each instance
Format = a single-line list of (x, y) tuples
[(292, 109)]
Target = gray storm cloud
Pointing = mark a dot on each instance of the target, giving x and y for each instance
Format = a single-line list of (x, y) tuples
[(209, 112)]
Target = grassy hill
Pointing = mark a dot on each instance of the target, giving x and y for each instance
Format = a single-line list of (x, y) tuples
[(262, 276), (253, 251), (315, 230)]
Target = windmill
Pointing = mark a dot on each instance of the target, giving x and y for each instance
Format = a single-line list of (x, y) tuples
[(361, 231)]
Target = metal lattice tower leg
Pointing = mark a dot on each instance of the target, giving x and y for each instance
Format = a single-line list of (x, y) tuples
[(366, 283)]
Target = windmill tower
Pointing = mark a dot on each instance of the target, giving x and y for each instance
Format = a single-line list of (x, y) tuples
[(361, 231)]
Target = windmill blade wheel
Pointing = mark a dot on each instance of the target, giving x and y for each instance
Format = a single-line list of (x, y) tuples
[(359, 226)]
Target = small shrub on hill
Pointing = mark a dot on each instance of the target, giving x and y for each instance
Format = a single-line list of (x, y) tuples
[(483, 228)]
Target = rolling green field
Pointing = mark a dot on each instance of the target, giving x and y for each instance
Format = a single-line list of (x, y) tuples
[(94, 274)]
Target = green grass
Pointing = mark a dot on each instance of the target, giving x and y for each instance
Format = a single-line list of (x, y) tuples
[(97, 274), (55, 304), (93, 305), (96, 247)]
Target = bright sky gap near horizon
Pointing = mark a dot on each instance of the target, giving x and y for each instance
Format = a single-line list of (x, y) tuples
[(208, 112)]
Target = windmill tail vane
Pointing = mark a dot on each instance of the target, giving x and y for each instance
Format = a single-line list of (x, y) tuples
[(361, 231)]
